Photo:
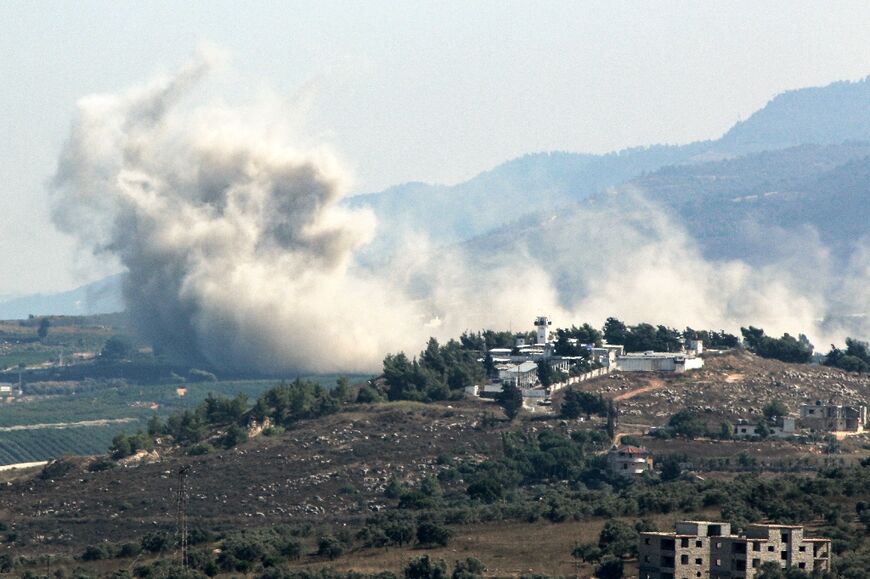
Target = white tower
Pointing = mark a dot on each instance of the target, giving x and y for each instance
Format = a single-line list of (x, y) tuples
[(542, 324)]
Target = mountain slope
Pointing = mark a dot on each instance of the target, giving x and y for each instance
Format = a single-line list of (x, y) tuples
[(822, 115), (99, 297), (447, 214)]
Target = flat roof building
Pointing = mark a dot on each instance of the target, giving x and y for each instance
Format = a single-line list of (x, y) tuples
[(658, 362), (711, 551)]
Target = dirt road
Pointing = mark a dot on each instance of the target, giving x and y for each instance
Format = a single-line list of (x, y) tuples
[(59, 425), (653, 384)]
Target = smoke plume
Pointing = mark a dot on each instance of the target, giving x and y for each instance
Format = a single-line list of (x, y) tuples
[(241, 255), (237, 250)]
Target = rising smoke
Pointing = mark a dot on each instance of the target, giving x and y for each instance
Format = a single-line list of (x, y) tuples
[(240, 254)]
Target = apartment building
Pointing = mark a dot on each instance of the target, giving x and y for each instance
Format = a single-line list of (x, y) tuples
[(709, 550)]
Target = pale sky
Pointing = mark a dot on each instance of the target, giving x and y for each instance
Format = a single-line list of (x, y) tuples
[(427, 91)]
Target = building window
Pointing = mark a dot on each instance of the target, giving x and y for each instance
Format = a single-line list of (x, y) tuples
[(699, 543), (802, 549), (756, 546), (802, 565), (756, 563), (684, 542), (646, 541), (699, 561), (784, 537), (684, 559), (771, 549), (784, 555), (718, 562)]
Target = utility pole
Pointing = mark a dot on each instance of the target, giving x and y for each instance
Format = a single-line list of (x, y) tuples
[(181, 515)]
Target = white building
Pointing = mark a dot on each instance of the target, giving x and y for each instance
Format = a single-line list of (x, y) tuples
[(658, 362), (630, 460), (783, 427), (523, 375)]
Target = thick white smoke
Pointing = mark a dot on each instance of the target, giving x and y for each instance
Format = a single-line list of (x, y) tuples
[(240, 254), (237, 250)]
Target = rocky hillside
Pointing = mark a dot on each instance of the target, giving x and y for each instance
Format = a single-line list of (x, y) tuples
[(730, 386)]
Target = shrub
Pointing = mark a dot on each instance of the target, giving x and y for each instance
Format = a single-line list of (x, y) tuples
[(433, 534), (368, 395), (425, 568), (129, 550), (235, 435), (329, 547), (6, 563), (101, 464), (95, 553), (610, 569), (470, 568), (200, 449), (56, 469), (155, 542)]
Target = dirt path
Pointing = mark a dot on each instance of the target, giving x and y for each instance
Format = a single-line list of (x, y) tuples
[(59, 425), (652, 385), (23, 465)]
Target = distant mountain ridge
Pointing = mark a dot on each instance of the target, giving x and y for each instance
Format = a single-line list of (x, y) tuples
[(825, 115), (832, 114), (99, 297)]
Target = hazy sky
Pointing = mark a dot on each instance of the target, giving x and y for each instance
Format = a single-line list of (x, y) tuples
[(409, 91)]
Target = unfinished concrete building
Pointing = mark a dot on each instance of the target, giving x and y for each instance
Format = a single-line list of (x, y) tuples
[(710, 551), (821, 417)]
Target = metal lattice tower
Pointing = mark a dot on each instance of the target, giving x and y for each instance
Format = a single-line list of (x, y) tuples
[(181, 515)]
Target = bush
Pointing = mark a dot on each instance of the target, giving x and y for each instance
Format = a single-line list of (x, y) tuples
[(235, 435), (618, 538), (200, 449), (470, 568), (129, 550), (95, 553), (433, 534), (100, 465), (425, 568), (329, 547), (155, 542), (6, 563), (56, 469), (610, 569), (368, 395)]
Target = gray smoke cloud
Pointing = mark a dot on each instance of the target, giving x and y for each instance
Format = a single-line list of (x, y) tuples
[(240, 253), (237, 250)]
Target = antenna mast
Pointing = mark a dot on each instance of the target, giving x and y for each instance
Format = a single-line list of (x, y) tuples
[(181, 514)]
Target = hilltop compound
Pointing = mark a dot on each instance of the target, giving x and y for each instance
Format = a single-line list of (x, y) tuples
[(519, 365)]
